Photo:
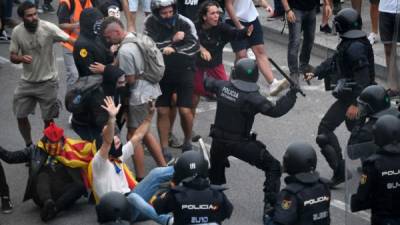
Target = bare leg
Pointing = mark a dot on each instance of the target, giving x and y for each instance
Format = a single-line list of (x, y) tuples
[(138, 157), (325, 18), (356, 4), (163, 125), (186, 122), (390, 67), (195, 100), (263, 63), (154, 148), (374, 13), (25, 129), (132, 26)]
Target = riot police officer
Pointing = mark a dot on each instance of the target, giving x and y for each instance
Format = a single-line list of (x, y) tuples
[(349, 71), (238, 101), (192, 199), (306, 198), (373, 103), (113, 209), (379, 188)]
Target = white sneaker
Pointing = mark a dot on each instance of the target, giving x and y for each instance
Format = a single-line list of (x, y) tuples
[(70, 119), (277, 86), (171, 221), (372, 38)]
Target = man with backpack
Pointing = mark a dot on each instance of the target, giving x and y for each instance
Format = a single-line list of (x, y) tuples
[(140, 66)]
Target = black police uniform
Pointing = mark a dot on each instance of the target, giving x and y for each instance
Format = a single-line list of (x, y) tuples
[(231, 135), (302, 203), (379, 188), (361, 142), (89, 49), (353, 63), (195, 202)]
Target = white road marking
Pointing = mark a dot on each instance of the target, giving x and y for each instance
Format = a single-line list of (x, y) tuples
[(342, 206), (6, 61)]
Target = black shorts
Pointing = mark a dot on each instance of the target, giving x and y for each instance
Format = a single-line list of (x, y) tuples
[(387, 22), (182, 85), (256, 37)]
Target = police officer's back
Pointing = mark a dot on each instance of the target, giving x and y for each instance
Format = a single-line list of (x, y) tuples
[(192, 199), (379, 188), (306, 198)]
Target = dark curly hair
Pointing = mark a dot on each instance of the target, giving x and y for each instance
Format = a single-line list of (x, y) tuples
[(24, 6), (204, 9)]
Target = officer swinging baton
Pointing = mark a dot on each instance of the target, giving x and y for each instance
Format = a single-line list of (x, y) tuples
[(292, 83)]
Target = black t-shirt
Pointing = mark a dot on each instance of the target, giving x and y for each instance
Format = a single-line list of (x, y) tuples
[(64, 14), (214, 40), (305, 5), (190, 9)]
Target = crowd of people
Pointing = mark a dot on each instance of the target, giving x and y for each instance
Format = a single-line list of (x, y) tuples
[(165, 69)]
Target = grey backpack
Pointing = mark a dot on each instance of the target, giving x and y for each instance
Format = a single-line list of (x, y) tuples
[(153, 59)]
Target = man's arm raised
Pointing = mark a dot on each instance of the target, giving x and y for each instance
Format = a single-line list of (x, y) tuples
[(108, 131)]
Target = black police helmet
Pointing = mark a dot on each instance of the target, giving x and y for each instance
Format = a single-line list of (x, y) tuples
[(386, 130), (113, 207), (348, 23), (373, 99), (300, 160), (245, 75), (190, 164)]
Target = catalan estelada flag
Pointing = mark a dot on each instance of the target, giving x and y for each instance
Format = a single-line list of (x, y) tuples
[(75, 153)]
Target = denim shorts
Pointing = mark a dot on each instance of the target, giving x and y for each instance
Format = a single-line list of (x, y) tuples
[(134, 5), (256, 37)]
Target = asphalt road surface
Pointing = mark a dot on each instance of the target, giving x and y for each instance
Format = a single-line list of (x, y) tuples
[(244, 181)]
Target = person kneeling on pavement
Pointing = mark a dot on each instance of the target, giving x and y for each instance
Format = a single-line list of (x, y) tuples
[(191, 198), (379, 188), (306, 198), (107, 171), (55, 165)]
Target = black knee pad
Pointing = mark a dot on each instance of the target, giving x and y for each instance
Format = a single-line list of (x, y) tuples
[(322, 140)]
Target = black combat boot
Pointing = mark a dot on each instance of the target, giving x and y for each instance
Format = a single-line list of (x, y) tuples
[(339, 175)]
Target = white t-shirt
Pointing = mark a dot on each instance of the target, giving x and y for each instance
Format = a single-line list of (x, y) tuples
[(105, 177), (131, 62), (389, 6), (39, 45), (245, 10)]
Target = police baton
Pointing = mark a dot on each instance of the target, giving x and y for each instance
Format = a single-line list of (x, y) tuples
[(205, 152), (292, 83)]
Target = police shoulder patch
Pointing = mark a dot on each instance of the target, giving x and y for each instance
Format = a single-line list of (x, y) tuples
[(83, 52), (363, 179), (286, 204)]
